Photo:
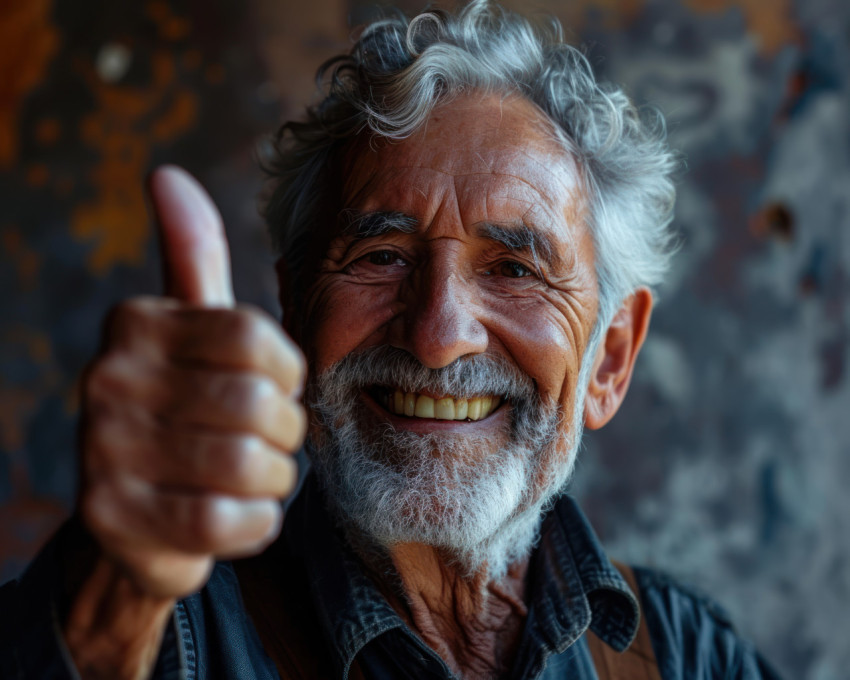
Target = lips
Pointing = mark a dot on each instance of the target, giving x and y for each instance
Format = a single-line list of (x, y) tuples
[(415, 405)]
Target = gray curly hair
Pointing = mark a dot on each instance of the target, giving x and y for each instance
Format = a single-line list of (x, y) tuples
[(399, 71)]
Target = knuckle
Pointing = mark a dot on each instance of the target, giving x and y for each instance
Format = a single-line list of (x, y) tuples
[(98, 380), (98, 511), (296, 363), (243, 460), (291, 477), (101, 442), (130, 318), (206, 523), (299, 358), (271, 515), (248, 330), (224, 524), (250, 310), (106, 380), (295, 417), (272, 526), (252, 396)]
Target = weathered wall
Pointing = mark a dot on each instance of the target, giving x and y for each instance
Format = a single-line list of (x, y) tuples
[(727, 464)]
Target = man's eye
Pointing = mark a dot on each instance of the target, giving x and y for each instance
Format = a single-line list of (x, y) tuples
[(384, 258), (511, 270)]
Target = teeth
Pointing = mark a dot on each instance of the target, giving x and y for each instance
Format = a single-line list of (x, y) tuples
[(409, 404), (474, 412), (461, 409), (424, 407), (444, 408)]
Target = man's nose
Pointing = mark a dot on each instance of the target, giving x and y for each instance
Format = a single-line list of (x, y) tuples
[(442, 317)]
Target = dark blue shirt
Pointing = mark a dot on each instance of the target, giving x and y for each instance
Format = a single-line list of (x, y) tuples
[(337, 619)]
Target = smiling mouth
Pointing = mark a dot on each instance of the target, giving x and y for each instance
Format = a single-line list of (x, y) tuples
[(416, 405)]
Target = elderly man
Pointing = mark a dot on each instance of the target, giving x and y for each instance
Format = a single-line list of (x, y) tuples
[(469, 227)]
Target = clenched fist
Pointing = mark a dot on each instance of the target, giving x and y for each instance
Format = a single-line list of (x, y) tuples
[(191, 417)]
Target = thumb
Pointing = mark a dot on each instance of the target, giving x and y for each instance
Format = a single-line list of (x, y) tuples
[(195, 253)]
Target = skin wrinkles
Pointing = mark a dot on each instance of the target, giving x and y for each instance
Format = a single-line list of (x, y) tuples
[(445, 291), (557, 294), (382, 189), (419, 594), (521, 238)]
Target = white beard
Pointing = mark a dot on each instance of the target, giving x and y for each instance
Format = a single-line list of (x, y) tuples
[(478, 498)]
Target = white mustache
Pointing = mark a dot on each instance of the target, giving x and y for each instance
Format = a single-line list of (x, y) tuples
[(465, 378)]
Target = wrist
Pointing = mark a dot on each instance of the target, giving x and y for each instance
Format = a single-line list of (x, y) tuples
[(113, 629)]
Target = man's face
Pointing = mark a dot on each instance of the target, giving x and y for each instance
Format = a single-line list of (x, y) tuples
[(449, 289), (465, 242)]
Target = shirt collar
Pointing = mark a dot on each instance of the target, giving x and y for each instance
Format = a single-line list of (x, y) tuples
[(573, 586), (350, 608)]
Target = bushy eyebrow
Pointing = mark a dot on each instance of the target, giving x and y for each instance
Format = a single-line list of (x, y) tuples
[(521, 237), (363, 225), (517, 236)]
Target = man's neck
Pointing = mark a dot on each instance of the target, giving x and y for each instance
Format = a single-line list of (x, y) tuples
[(474, 623)]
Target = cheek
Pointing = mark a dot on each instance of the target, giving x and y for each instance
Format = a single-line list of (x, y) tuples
[(544, 344), (344, 317)]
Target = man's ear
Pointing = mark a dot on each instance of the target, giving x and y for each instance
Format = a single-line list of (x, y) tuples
[(284, 296), (615, 359)]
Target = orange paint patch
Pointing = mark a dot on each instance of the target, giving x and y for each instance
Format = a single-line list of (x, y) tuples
[(771, 23), (37, 175), (48, 131), (175, 28), (29, 42), (158, 10), (171, 27), (292, 42), (179, 117), (126, 122)]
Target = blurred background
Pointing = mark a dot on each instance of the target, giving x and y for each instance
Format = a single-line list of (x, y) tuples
[(727, 466)]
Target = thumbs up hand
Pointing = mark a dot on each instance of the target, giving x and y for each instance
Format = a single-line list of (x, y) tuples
[(191, 414)]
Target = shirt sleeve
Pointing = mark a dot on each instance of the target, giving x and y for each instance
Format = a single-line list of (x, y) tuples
[(693, 637), (31, 610)]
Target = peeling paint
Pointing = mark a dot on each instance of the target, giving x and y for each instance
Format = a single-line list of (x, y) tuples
[(29, 41), (122, 127)]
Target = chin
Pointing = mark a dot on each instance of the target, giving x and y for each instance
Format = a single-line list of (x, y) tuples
[(475, 490), (475, 500)]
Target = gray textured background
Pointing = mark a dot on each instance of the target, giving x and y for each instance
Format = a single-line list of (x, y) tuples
[(728, 463)]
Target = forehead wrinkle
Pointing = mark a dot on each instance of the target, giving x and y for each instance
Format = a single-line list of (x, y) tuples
[(392, 169), (456, 176)]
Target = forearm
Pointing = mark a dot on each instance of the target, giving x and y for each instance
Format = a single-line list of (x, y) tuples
[(112, 629)]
